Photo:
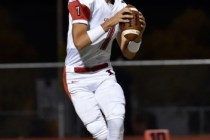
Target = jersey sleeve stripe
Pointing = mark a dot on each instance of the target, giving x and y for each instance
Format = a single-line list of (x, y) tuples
[(80, 21)]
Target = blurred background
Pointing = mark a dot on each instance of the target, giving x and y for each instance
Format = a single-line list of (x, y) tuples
[(176, 97)]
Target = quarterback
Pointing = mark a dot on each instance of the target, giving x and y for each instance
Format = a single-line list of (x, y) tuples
[(89, 78)]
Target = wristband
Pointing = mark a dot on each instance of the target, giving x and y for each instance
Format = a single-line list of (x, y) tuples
[(95, 33), (133, 46)]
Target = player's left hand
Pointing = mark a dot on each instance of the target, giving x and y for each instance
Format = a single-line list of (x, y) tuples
[(143, 25), (142, 21)]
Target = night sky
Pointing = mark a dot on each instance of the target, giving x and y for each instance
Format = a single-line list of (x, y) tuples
[(36, 20)]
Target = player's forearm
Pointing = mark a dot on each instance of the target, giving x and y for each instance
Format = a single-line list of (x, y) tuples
[(127, 54), (123, 43), (128, 48), (83, 38), (99, 30), (109, 23)]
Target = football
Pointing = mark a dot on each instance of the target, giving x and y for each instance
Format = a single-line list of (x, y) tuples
[(131, 29)]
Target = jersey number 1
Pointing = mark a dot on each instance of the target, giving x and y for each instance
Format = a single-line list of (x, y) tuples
[(78, 10)]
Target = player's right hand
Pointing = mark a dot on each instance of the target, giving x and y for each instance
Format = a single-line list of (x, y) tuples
[(122, 16)]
